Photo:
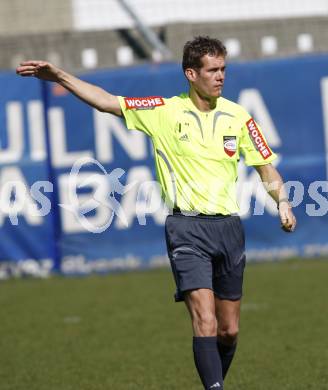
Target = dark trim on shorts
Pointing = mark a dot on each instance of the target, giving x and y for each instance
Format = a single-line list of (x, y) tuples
[(189, 214)]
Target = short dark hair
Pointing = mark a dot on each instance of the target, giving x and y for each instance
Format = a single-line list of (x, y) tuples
[(194, 50)]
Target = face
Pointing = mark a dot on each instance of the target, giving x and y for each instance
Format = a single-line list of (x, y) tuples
[(208, 80)]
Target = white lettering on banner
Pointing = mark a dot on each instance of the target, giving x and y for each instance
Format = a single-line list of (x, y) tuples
[(312, 250), (249, 186), (252, 101), (149, 201), (271, 253), (41, 198), (322, 201), (324, 93), (15, 199), (129, 200), (295, 192), (26, 267), (79, 264), (99, 184), (36, 130), (59, 154), (106, 126), (14, 152)]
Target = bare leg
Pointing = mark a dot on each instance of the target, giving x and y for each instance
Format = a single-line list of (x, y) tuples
[(201, 306)]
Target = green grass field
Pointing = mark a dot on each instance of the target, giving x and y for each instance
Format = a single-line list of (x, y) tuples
[(125, 332)]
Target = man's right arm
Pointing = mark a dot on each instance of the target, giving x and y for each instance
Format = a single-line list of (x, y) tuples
[(89, 93)]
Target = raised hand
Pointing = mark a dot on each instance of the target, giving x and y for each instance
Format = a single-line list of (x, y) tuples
[(40, 69), (91, 94)]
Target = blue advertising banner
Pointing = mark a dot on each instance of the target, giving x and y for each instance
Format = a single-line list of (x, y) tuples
[(87, 201), (27, 242)]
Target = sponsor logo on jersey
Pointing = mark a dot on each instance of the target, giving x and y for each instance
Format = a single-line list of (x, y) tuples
[(184, 137), (230, 144), (258, 140), (144, 103)]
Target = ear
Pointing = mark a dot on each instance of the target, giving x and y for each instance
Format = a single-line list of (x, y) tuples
[(191, 74)]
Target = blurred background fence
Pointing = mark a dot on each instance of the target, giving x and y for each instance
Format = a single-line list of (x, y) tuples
[(44, 130), (84, 34)]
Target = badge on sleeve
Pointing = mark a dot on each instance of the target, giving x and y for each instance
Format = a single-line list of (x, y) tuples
[(230, 144), (258, 139), (143, 103)]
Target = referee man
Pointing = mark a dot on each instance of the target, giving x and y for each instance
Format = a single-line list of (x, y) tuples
[(198, 138)]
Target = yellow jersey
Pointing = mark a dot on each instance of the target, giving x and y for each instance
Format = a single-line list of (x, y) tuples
[(197, 153)]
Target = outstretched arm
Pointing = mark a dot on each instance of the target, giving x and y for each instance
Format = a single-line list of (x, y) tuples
[(274, 185), (89, 93)]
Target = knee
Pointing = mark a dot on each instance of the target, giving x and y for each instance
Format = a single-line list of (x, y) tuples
[(228, 334), (205, 324)]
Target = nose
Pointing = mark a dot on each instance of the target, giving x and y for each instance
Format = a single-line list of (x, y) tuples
[(220, 75)]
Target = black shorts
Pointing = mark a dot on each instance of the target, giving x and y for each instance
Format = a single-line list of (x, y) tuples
[(206, 252)]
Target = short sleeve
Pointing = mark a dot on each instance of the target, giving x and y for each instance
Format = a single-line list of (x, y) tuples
[(254, 146), (143, 114)]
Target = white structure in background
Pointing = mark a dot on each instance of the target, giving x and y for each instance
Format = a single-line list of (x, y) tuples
[(108, 14), (233, 47), (89, 58), (305, 43), (269, 45), (124, 55)]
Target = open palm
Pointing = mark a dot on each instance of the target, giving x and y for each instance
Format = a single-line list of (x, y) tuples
[(40, 69)]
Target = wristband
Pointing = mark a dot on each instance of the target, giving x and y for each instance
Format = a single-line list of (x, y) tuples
[(282, 200)]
